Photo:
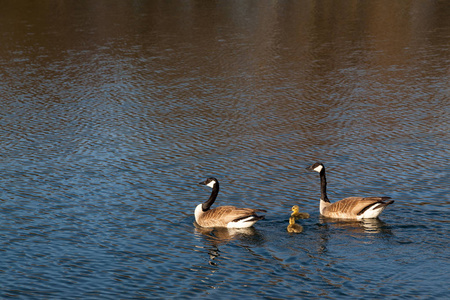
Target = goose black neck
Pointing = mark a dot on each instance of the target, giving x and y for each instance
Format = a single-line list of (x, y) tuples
[(215, 191), (323, 186)]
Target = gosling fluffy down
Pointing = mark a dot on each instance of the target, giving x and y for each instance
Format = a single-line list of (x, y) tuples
[(294, 228)]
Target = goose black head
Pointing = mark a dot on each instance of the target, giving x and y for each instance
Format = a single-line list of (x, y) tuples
[(318, 167), (210, 181)]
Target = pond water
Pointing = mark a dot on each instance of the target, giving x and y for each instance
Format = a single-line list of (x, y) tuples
[(113, 111)]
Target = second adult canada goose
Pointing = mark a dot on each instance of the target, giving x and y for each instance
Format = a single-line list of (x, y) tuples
[(349, 208), (224, 216)]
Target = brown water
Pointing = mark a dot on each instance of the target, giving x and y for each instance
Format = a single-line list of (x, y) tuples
[(112, 111)]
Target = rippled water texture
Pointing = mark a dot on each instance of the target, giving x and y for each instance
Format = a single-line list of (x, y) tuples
[(113, 111)]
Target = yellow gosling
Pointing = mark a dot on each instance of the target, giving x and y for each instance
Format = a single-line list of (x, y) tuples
[(294, 228), (298, 215)]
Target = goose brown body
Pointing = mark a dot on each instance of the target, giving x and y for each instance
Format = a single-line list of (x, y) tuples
[(348, 208), (224, 216), (355, 207)]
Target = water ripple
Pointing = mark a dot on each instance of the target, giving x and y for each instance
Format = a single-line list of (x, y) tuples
[(109, 121)]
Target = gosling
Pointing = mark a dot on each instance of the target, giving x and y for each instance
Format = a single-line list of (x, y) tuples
[(298, 215), (294, 228)]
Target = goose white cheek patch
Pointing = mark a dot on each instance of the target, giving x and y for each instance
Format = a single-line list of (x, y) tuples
[(211, 184), (318, 169)]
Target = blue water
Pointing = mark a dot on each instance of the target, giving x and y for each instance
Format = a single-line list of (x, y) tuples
[(112, 112)]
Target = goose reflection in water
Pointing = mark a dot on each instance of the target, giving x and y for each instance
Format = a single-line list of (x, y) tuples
[(330, 228), (220, 236), (353, 226)]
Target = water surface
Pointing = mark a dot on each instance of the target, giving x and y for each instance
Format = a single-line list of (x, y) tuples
[(113, 111)]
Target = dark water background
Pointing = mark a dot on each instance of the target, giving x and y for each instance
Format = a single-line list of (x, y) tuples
[(112, 111)]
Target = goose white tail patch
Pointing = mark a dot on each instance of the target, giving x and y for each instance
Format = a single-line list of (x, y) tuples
[(372, 212), (247, 222)]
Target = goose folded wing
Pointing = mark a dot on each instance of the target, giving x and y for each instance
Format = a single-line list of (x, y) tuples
[(355, 205), (227, 214)]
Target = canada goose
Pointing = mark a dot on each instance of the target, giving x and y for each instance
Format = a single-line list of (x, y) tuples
[(294, 228), (348, 208), (223, 216), (298, 215)]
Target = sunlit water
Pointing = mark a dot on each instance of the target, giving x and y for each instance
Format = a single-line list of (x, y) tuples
[(113, 111)]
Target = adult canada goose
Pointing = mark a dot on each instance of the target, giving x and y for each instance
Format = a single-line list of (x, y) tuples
[(292, 227), (224, 216), (349, 208), (298, 215)]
